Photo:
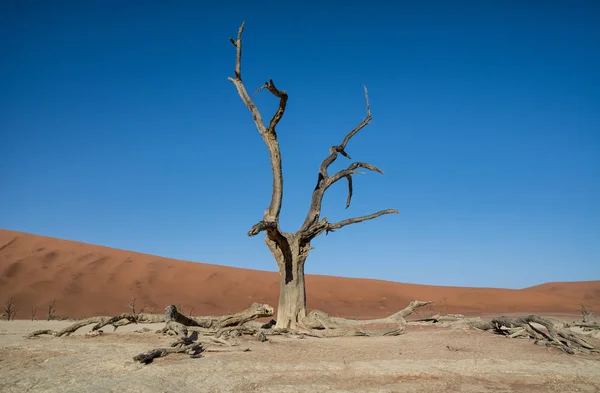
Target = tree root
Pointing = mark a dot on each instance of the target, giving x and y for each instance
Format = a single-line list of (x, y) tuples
[(543, 331), (329, 333), (255, 311), (120, 320), (171, 314), (317, 319), (221, 330), (317, 324), (196, 335), (588, 326)]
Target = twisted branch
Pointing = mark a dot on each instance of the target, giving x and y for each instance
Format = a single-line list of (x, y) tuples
[(271, 216), (312, 227), (326, 226)]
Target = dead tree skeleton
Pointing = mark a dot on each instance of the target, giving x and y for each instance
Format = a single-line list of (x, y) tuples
[(549, 332), (291, 249)]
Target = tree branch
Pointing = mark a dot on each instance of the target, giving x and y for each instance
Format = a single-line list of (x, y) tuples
[(351, 170), (349, 199), (312, 227), (324, 181), (283, 97), (271, 216), (358, 127), (341, 148), (325, 226), (347, 173), (330, 227)]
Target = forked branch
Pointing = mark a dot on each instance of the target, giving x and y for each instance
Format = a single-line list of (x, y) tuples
[(283, 97), (312, 227), (270, 219), (341, 148), (326, 226), (359, 127), (351, 170)]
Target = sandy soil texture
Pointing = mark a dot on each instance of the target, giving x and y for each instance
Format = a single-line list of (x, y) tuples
[(91, 280), (423, 360)]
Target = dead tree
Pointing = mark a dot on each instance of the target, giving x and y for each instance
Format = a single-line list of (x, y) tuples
[(543, 331), (131, 306), (10, 309), (171, 315), (315, 324), (586, 314), (51, 311), (291, 249)]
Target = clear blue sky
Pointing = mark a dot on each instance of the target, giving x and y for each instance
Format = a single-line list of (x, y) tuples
[(119, 128)]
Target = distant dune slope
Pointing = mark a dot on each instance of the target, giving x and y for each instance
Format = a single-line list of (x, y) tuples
[(93, 280)]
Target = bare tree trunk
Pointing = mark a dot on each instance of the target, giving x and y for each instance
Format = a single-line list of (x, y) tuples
[(292, 293), (290, 255), (291, 249)]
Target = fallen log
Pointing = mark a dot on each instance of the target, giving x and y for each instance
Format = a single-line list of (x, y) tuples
[(318, 319), (544, 331), (255, 311), (190, 345), (120, 320), (195, 332), (590, 326), (182, 345)]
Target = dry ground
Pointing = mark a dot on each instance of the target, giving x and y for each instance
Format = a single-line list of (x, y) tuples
[(417, 361)]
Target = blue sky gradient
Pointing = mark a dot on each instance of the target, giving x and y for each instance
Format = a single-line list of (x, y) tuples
[(119, 128)]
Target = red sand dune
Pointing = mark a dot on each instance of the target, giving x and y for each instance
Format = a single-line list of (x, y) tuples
[(93, 280)]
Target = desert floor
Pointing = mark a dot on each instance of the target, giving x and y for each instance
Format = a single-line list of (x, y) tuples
[(419, 360)]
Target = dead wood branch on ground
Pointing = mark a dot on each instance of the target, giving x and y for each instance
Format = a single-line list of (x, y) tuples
[(191, 345), (171, 314), (220, 330), (315, 324), (220, 333), (255, 311), (586, 326), (184, 344), (317, 319), (100, 322), (544, 331)]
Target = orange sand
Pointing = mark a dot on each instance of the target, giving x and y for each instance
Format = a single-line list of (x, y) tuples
[(91, 280)]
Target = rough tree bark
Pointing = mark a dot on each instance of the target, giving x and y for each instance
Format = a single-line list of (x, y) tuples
[(171, 314), (290, 250), (321, 320), (216, 329)]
